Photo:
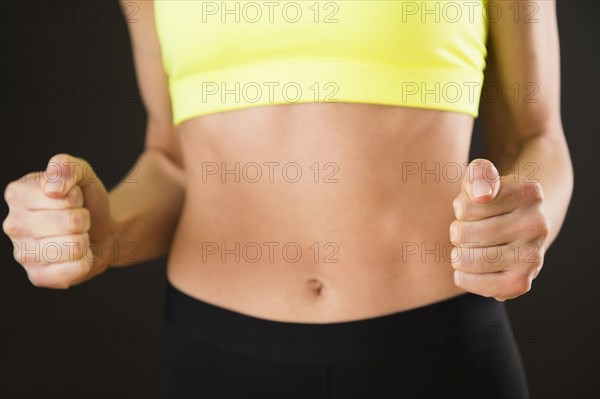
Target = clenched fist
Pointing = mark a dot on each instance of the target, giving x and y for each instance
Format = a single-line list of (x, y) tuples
[(59, 222), (499, 232)]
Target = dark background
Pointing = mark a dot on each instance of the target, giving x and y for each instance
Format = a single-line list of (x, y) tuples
[(68, 85)]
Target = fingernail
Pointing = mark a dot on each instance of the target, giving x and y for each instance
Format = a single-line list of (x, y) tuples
[(481, 188), (55, 186)]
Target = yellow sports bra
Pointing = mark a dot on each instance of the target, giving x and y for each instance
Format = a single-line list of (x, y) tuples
[(227, 55)]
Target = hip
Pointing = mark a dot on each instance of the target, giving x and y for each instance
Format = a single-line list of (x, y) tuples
[(459, 347)]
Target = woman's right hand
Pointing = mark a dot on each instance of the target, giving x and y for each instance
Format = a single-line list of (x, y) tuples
[(60, 224)]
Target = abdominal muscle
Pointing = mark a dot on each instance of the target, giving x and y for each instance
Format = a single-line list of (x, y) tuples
[(325, 212)]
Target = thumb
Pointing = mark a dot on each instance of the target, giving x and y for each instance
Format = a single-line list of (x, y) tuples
[(63, 172), (481, 181)]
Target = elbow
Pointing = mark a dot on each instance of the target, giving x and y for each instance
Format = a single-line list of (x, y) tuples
[(161, 139)]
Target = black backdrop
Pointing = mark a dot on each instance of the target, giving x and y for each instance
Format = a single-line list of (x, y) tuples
[(67, 85)]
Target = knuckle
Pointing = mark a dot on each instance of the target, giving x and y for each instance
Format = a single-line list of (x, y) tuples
[(57, 284), (458, 279), (461, 208), (538, 227), (532, 192), (520, 284), (35, 277), (79, 244), (83, 266), (60, 164), (10, 192), (18, 256), (75, 250), (457, 258), (50, 251), (537, 260), (60, 158), (456, 232), (458, 265), (456, 205), (529, 228), (42, 280), (29, 258), (544, 228), (74, 198), (88, 171), (12, 226), (77, 220), (86, 218)]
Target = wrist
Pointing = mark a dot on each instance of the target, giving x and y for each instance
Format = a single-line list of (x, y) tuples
[(108, 255)]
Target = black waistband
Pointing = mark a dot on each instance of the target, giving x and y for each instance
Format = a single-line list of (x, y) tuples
[(439, 324)]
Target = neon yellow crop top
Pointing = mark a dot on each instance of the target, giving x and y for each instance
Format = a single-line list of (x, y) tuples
[(226, 55)]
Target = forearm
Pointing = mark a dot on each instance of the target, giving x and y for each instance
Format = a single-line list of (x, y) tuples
[(545, 158), (145, 207)]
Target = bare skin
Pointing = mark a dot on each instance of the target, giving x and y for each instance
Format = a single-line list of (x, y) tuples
[(371, 220), (368, 216)]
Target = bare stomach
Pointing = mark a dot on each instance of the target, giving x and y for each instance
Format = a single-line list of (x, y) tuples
[(319, 212)]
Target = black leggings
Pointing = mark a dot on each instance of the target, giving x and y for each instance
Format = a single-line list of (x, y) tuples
[(459, 347)]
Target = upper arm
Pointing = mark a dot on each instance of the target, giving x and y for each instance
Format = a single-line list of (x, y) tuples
[(521, 93), (152, 80)]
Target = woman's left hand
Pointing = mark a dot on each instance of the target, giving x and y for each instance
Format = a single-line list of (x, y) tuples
[(499, 232)]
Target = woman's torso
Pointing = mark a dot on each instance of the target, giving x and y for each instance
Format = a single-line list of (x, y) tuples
[(319, 212), (363, 231)]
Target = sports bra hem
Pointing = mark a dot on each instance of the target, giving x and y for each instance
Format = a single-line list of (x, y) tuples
[(285, 81)]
